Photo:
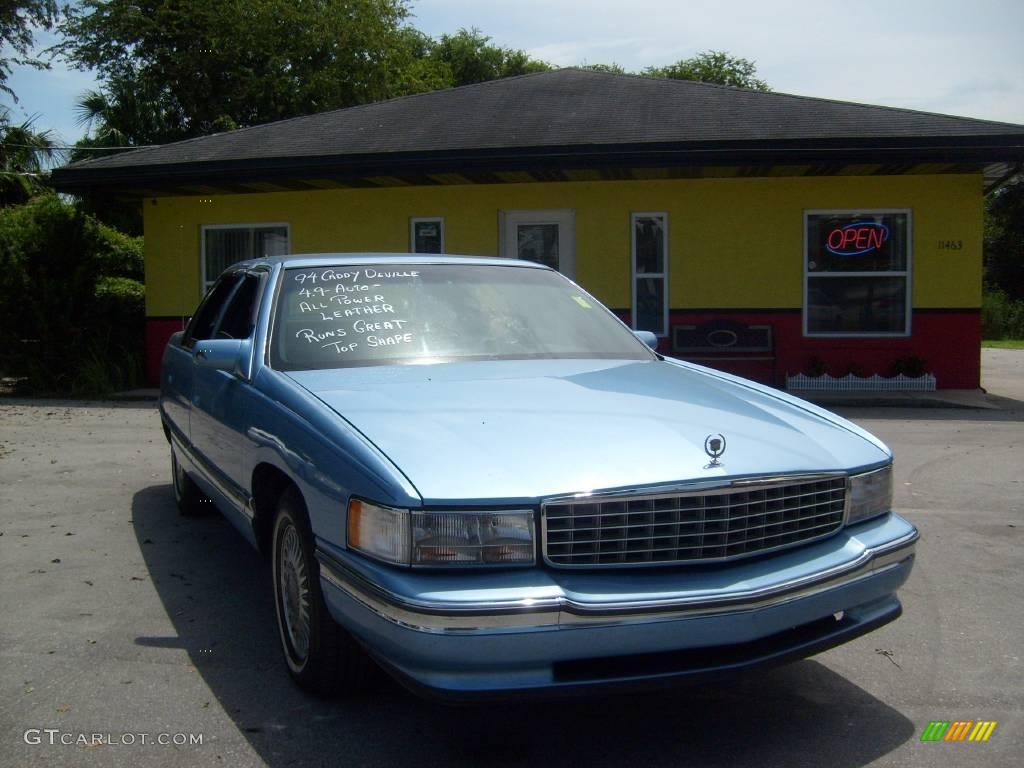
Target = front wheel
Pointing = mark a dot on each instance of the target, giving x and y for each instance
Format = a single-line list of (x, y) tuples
[(321, 656)]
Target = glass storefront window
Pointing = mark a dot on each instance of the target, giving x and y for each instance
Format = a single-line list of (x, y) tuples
[(650, 272), (857, 273)]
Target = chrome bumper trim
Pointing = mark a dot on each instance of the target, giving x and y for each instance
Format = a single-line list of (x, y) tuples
[(447, 617)]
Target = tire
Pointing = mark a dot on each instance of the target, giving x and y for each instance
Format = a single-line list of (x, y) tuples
[(322, 657), (191, 502)]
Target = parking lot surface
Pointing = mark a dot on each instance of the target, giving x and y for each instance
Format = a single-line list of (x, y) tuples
[(121, 619)]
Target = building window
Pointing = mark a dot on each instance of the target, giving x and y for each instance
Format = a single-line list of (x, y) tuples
[(650, 272), (857, 273), (427, 235), (223, 245)]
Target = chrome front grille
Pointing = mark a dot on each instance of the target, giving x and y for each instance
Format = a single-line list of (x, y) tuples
[(692, 525)]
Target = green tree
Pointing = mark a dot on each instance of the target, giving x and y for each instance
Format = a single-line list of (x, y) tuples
[(713, 67), (1004, 240), (173, 69), (414, 70), (612, 69), (468, 57), (121, 116), (18, 20), (198, 67)]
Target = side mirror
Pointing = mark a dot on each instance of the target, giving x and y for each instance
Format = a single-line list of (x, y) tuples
[(231, 355), (647, 338)]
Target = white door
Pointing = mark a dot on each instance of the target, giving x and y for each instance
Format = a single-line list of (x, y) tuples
[(545, 236)]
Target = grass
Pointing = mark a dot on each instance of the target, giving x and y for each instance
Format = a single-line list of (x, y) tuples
[(1003, 344)]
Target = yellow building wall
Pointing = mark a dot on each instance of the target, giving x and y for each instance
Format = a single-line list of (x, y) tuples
[(735, 243)]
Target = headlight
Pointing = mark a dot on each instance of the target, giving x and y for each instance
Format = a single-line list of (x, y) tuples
[(448, 538), (870, 494), (472, 538)]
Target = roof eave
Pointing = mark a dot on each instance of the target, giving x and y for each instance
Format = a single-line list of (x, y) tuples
[(980, 150)]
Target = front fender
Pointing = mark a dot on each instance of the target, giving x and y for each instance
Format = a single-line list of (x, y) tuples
[(327, 458)]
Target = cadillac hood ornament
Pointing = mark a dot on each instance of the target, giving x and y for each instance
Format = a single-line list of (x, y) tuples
[(714, 446)]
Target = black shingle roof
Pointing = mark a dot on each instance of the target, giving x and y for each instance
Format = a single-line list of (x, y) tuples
[(576, 112)]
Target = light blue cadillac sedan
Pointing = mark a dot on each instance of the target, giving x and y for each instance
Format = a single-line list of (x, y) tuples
[(473, 474)]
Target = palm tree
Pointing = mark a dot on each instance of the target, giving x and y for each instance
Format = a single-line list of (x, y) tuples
[(123, 116), (25, 157), (96, 110)]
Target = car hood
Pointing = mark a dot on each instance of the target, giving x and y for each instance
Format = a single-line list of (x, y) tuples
[(513, 431)]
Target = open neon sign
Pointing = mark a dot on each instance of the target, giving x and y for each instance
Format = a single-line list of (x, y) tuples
[(857, 238)]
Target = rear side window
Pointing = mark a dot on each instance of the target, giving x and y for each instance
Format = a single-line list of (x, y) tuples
[(210, 311), (239, 318)]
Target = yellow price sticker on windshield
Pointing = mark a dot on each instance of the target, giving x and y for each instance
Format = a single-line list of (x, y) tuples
[(582, 302)]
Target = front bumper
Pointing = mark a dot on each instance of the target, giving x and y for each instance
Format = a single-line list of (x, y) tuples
[(506, 632)]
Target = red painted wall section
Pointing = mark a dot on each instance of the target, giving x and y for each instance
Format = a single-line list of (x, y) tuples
[(158, 331), (948, 340)]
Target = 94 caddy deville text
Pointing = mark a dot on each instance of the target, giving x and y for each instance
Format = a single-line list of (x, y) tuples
[(472, 473)]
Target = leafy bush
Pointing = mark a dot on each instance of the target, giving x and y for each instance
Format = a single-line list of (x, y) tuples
[(1001, 316), (70, 302), (105, 365), (120, 255), (816, 366), (120, 300), (910, 365), (853, 368)]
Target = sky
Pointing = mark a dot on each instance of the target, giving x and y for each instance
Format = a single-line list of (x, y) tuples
[(962, 58)]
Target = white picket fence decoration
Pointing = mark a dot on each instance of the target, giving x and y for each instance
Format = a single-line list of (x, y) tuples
[(851, 383)]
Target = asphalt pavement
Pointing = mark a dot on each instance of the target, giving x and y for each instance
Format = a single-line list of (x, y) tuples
[(122, 620)]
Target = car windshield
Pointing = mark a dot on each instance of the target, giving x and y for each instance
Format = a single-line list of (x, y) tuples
[(343, 316)]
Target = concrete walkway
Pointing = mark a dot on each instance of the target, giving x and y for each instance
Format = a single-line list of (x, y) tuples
[(1002, 381), (1002, 373), (941, 398)]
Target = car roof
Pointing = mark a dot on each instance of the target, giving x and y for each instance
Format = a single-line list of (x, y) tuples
[(304, 260)]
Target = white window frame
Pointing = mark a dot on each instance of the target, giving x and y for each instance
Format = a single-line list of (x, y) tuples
[(439, 220), (565, 218), (204, 285), (906, 273), (663, 215)]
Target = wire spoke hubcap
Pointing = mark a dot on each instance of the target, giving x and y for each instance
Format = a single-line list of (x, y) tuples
[(293, 587)]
